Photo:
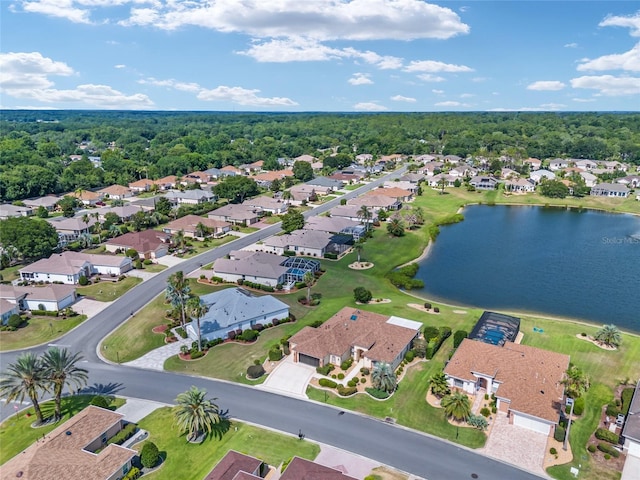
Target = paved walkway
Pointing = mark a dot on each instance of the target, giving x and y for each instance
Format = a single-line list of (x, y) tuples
[(154, 360), (289, 378)]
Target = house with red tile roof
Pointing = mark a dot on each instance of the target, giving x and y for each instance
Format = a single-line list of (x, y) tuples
[(68, 267), (526, 381), (301, 469), (69, 451)]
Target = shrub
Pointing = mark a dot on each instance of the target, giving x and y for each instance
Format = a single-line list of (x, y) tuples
[(255, 371), (15, 321), (409, 356), (364, 371), (147, 261), (331, 256), (607, 436), (346, 391), (607, 456), (316, 323), (341, 376), (231, 335), (138, 264), (458, 337), (133, 474), (627, 395), (486, 396), (608, 449), (325, 382), (123, 435), (195, 354), (376, 393), (430, 332), (83, 281), (592, 448), (584, 335), (427, 305), (100, 401), (436, 309), (578, 406), (346, 364), (363, 380), (478, 421), (494, 409), (275, 354), (353, 382), (214, 342), (559, 433), (362, 295), (149, 455), (131, 253), (553, 451), (485, 412), (612, 410), (326, 369), (181, 331), (248, 335)]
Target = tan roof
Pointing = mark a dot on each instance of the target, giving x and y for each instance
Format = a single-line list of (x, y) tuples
[(264, 202), (60, 454), (168, 180), (52, 292), (232, 464), (69, 263), (144, 183), (115, 190), (257, 164), (353, 327), (143, 242), (85, 195), (271, 176), (301, 469), (6, 306), (381, 201), (393, 192), (231, 168), (529, 377), (188, 223)]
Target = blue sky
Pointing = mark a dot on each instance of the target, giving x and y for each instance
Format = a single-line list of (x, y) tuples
[(320, 55)]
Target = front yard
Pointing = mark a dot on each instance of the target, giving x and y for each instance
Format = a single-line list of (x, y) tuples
[(38, 330), (106, 291)]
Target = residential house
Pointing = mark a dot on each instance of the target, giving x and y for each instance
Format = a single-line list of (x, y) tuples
[(376, 202), (631, 181), (50, 297), (69, 229), (68, 267), (8, 210), (425, 158), (463, 171), (631, 430), (7, 309), (48, 201), (253, 167), (614, 165), (116, 192), (336, 225), (325, 185), (235, 309), (167, 183), (558, 164), (508, 174), (263, 268), (538, 175), (452, 159), (585, 165), (534, 163), (217, 173), (526, 381), (190, 197), (396, 193), (589, 178), (412, 177), (301, 469), (302, 193), (364, 157), (265, 179), (482, 182), (520, 185), (125, 212), (191, 226), (354, 333), (232, 170), (196, 177), (305, 158), (86, 197), (238, 466), (76, 449), (309, 243), (610, 190), (141, 186), (351, 212), (236, 214), (431, 168), (403, 185), (147, 204), (150, 244), (437, 180), (267, 205)]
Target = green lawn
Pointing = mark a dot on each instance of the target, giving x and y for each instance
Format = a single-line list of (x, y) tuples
[(195, 461), (38, 330), (107, 291), (10, 273), (154, 268), (198, 247), (16, 433), (353, 187), (247, 229)]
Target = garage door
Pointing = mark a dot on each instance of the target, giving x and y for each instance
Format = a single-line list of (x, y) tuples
[(531, 424), (634, 449), (307, 360)]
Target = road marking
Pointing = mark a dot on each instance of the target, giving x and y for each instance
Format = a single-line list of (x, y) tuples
[(58, 345)]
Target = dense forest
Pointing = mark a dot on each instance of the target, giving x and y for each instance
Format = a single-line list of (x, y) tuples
[(35, 146)]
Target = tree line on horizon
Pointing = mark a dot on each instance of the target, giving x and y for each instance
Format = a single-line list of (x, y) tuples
[(35, 146)]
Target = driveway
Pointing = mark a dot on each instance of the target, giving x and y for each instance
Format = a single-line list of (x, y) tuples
[(89, 307), (289, 378), (170, 260), (516, 445)]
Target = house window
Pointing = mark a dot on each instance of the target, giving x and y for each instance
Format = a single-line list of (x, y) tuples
[(457, 383)]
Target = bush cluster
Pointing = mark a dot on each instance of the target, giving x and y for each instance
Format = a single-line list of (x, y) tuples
[(409, 356), (44, 313), (612, 410), (346, 364), (275, 354), (325, 382), (255, 371), (346, 391), (100, 401), (377, 393), (364, 371), (458, 336), (592, 448), (559, 433), (195, 354), (434, 344), (248, 335), (149, 455), (403, 277), (608, 449), (353, 382), (331, 256), (607, 436), (133, 474), (123, 435), (326, 369)]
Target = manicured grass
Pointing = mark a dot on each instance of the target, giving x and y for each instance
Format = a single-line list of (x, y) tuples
[(16, 433), (185, 460), (353, 187), (154, 268), (107, 291), (10, 273), (248, 229), (38, 330), (211, 243)]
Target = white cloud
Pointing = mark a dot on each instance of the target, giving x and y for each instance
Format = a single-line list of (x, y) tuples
[(400, 98), (369, 107), (583, 100), (319, 19), (243, 96), (102, 96), (437, 92), (629, 61), (451, 103), (427, 77), (433, 66), (609, 85), (383, 62), (120, 65), (360, 79), (467, 95), (630, 21), (25, 71), (546, 85), (171, 83), (58, 8), (545, 107), (571, 45)]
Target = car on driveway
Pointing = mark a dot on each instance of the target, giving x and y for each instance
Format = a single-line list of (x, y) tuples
[(620, 420)]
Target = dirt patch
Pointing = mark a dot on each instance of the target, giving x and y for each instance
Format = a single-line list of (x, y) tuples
[(375, 301), (598, 344), (433, 400), (561, 457), (385, 473), (361, 265), (159, 329), (460, 312), (417, 306)]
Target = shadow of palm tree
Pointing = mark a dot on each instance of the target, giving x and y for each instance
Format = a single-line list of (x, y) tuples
[(107, 390)]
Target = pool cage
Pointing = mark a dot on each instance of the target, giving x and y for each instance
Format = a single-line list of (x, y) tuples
[(297, 267), (496, 328)]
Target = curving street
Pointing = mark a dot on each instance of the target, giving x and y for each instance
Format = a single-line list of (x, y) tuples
[(402, 448)]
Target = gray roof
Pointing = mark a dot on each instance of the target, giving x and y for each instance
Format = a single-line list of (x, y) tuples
[(234, 212), (196, 194), (69, 263), (329, 224), (611, 187), (301, 238), (325, 182), (217, 172), (52, 292), (350, 211), (9, 210), (46, 201), (74, 224), (632, 425), (233, 305), (124, 211), (266, 265), (265, 203)]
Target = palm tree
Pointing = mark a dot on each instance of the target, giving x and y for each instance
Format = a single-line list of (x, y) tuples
[(287, 196), (114, 230), (364, 214), (85, 240), (456, 406), (383, 378), (25, 377), (609, 335), (395, 227), (576, 382), (308, 278), (180, 239), (198, 310), (96, 226), (439, 385), (178, 292), (85, 220), (60, 370), (358, 248), (201, 230), (194, 414)]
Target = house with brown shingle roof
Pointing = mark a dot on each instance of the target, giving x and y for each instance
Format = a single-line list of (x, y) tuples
[(396, 193), (167, 183), (68, 267), (189, 225), (87, 197), (237, 466), (143, 185), (264, 179), (359, 334), (526, 381), (236, 214), (267, 204), (52, 298), (301, 469), (69, 450), (116, 192), (150, 244), (376, 202)]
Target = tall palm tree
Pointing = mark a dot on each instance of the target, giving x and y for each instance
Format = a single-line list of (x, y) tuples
[(25, 377), (195, 414), (198, 310), (308, 279), (439, 385), (383, 378), (97, 226), (358, 248), (609, 335), (61, 371), (178, 292), (457, 406), (287, 196), (364, 214), (576, 382), (85, 220)]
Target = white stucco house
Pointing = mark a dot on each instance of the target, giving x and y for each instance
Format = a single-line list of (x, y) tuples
[(50, 297), (68, 267)]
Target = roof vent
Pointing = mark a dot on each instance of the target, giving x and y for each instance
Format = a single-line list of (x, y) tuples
[(353, 317), (68, 432), (542, 392)]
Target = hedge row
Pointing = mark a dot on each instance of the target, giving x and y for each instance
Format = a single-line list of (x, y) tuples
[(325, 382), (435, 343), (606, 448), (44, 313), (257, 286), (377, 393), (123, 435), (346, 391), (326, 369), (607, 436)]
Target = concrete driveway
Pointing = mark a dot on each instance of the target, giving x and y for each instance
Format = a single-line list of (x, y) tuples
[(89, 307), (289, 378), (170, 260)]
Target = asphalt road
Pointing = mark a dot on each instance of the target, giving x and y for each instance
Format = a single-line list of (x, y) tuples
[(406, 449)]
